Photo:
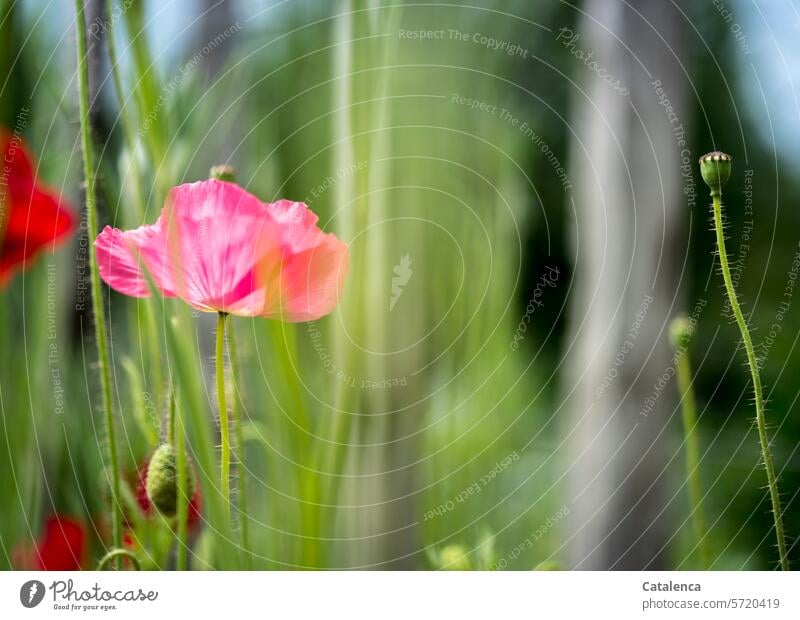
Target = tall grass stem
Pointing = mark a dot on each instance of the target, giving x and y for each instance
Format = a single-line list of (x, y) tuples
[(97, 303)]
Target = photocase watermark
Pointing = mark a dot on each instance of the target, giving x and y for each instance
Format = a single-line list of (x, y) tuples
[(627, 347), (688, 163), (736, 29), (329, 181), (348, 379), (66, 597), (478, 38), (523, 127), (13, 147), (31, 593), (783, 308), (186, 68), (52, 348), (662, 382), (569, 40), (472, 490), (545, 149), (100, 25), (402, 276), (664, 102), (531, 540), (82, 264), (547, 280), (744, 246)]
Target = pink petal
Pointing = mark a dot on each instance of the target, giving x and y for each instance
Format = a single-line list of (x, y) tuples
[(311, 281), (118, 259), (218, 232)]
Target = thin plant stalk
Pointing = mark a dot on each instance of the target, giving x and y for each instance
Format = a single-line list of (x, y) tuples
[(228, 173), (715, 168), (691, 442), (225, 458), (97, 304), (236, 420), (179, 436), (115, 555), (127, 121)]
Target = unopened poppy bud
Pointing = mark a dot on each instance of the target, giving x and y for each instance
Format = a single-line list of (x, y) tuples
[(162, 480), (454, 557), (715, 168), (223, 173), (680, 331)]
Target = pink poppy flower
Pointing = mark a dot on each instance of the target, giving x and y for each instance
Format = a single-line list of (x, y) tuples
[(220, 249)]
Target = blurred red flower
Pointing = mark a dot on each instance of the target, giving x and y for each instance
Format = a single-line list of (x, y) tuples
[(32, 217), (195, 504), (61, 546)]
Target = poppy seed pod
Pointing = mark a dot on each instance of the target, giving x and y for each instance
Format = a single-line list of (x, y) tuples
[(162, 480), (454, 557), (715, 168), (680, 331)]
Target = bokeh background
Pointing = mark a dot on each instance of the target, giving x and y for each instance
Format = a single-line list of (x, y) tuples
[(517, 182)]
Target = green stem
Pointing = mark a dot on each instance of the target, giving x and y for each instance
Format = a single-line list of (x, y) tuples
[(183, 491), (689, 414), (97, 304), (116, 555), (236, 420), (171, 419), (225, 465), (127, 121), (761, 423)]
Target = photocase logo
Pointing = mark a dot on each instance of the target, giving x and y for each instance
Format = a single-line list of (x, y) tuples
[(403, 274), (31, 593)]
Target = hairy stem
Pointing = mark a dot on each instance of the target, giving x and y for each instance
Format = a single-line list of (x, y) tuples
[(183, 492), (761, 423), (236, 419), (692, 452), (225, 464), (97, 303)]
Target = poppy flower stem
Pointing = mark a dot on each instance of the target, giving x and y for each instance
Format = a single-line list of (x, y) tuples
[(236, 420), (225, 464), (116, 555), (761, 423), (97, 304)]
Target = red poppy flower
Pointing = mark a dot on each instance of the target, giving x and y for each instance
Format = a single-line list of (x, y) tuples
[(61, 546), (32, 217), (195, 504)]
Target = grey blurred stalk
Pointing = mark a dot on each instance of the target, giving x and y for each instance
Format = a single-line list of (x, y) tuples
[(629, 218)]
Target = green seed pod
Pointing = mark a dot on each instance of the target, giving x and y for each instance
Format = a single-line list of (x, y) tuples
[(680, 331), (162, 480), (454, 557), (223, 173), (715, 168)]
